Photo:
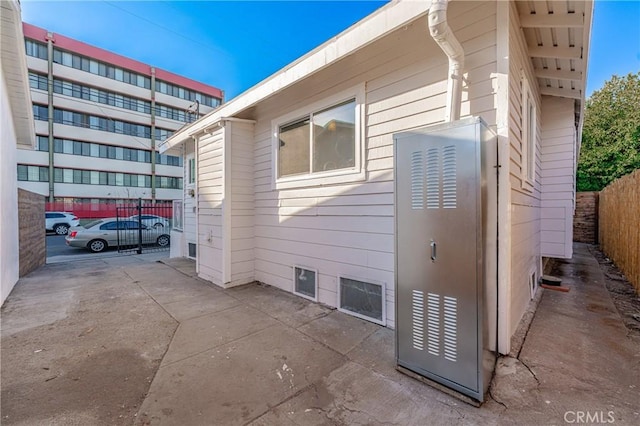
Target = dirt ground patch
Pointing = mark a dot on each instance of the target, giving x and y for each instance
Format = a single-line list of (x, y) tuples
[(623, 294)]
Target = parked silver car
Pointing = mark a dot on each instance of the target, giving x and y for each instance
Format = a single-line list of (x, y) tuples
[(100, 234), (60, 222), (152, 220)]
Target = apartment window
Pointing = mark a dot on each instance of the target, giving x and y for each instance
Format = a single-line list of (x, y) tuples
[(23, 173), (67, 175), (43, 143), (181, 92), (98, 123), (35, 49), (77, 176), (37, 81), (529, 135), (92, 66), (40, 112), (89, 93), (77, 148), (321, 144), (33, 173), (86, 177)]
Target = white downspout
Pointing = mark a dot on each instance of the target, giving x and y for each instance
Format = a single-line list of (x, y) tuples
[(443, 35)]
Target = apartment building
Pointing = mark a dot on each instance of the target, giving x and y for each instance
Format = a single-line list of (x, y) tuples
[(98, 119)]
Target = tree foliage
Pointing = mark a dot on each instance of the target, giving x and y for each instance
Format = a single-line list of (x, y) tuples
[(611, 133)]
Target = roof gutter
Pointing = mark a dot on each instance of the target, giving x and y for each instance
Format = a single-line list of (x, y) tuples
[(442, 34)]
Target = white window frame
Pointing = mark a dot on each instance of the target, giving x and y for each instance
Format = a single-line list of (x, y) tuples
[(351, 174), (315, 271), (529, 135), (383, 321), (191, 157)]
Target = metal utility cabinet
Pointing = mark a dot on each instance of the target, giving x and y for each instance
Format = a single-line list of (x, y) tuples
[(446, 254)]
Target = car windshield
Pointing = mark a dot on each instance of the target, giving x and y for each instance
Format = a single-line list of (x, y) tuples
[(92, 224)]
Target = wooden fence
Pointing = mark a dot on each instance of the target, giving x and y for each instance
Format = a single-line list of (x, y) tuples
[(620, 225)]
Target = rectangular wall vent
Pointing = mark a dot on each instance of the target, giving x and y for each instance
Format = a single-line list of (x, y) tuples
[(305, 282), (192, 250), (362, 299)]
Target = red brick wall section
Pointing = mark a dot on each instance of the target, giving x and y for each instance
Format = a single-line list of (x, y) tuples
[(32, 252), (585, 220)]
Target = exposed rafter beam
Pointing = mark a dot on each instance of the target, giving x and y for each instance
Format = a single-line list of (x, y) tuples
[(559, 74), (562, 93), (570, 20), (555, 52)]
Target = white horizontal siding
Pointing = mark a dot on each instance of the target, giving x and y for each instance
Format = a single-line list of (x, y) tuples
[(558, 149), (241, 196), (348, 229), (210, 198), (525, 204), (189, 219)]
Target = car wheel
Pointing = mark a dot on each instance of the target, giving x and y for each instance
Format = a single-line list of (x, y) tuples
[(96, 246), (163, 240), (61, 229), (158, 225)]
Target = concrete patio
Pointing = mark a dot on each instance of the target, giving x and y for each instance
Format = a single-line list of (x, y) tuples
[(129, 340)]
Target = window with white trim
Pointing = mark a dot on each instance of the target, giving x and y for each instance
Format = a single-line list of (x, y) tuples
[(529, 133), (322, 141), (191, 170)]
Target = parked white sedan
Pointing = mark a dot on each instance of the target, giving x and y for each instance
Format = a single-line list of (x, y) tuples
[(100, 234)]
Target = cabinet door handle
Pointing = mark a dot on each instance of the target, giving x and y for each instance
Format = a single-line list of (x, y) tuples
[(433, 251)]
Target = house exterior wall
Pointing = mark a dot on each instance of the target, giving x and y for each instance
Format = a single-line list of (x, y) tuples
[(525, 196), (348, 229), (210, 198), (240, 195), (9, 263), (189, 227), (557, 169)]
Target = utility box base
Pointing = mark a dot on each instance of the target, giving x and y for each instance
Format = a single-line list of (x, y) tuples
[(440, 387)]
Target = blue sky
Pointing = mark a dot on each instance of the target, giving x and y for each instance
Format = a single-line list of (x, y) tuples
[(234, 45)]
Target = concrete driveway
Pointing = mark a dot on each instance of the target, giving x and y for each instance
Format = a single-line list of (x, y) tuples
[(129, 340)]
